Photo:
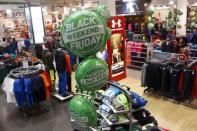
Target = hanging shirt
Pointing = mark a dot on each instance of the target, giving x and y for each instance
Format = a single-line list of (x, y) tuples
[(60, 61), (7, 87), (28, 92), (20, 92), (47, 84), (38, 89), (27, 43), (194, 91), (68, 65)]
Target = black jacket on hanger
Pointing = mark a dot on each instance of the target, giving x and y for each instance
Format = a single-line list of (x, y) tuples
[(60, 60)]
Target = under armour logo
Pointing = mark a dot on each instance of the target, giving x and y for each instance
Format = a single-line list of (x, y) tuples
[(116, 23)]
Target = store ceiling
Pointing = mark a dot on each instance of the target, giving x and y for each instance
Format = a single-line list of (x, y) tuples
[(166, 2), (43, 2), (60, 2)]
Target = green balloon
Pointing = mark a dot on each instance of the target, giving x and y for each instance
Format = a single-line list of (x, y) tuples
[(151, 10), (60, 17), (103, 11), (193, 19), (192, 13), (179, 26), (84, 33), (149, 19), (178, 12), (92, 74), (193, 24), (170, 22), (82, 111), (150, 26)]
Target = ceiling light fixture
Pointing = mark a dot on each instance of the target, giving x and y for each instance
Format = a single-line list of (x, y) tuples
[(44, 9), (171, 2), (74, 9), (66, 10), (8, 12)]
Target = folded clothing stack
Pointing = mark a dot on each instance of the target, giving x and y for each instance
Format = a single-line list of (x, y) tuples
[(115, 118), (110, 94), (137, 101), (104, 110), (120, 102)]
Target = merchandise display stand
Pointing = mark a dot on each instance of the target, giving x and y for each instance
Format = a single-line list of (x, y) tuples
[(110, 126), (116, 49), (137, 53)]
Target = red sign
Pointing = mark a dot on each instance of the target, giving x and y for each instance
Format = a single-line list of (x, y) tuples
[(116, 49)]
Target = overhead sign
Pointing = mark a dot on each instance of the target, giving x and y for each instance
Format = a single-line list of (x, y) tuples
[(130, 6)]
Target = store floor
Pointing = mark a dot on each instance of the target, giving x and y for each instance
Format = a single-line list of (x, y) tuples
[(169, 115), (52, 117)]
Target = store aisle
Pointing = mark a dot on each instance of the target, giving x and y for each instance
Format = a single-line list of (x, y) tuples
[(169, 115)]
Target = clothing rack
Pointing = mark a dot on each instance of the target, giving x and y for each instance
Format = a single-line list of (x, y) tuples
[(181, 61), (27, 72)]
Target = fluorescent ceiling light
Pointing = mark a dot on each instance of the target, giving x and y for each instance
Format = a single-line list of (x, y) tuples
[(195, 4), (128, 0), (54, 12), (171, 2), (66, 10), (162, 7), (74, 9), (44, 9), (8, 12)]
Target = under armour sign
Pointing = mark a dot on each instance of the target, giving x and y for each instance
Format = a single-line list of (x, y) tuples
[(116, 24)]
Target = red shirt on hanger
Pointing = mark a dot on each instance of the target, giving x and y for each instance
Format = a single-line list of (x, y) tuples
[(68, 65)]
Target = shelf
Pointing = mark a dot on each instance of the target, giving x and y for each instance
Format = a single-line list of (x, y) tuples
[(138, 52), (139, 67), (193, 57), (135, 61), (136, 47), (193, 49), (109, 122), (126, 121), (138, 57), (114, 110), (138, 109)]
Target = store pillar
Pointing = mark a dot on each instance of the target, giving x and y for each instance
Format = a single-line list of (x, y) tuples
[(111, 6), (182, 5)]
